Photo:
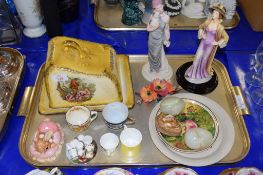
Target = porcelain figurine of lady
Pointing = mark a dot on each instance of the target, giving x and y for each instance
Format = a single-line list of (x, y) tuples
[(200, 77), (157, 66)]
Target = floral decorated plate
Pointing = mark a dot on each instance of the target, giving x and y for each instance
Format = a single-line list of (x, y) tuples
[(249, 171), (48, 171), (242, 171), (179, 171), (194, 115), (113, 171)]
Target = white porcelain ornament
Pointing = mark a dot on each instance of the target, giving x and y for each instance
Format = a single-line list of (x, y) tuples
[(30, 14)]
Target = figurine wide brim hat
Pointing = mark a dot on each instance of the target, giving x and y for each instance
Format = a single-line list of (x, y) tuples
[(218, 7)]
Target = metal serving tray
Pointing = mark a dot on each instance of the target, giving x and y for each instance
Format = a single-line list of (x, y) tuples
[(13, 82), (150, 155), (108, 17)]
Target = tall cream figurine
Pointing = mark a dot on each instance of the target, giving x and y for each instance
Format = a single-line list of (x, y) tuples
[(157, 66)]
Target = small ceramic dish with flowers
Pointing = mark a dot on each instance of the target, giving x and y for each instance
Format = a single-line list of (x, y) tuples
[(81, 149), (113, 171), (242, 171), (48, 171), (187, 126), (179, 171)]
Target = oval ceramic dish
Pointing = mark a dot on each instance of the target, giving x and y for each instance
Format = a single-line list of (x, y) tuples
[(198, 114), (227, 128), (217, 139), (113, 171)]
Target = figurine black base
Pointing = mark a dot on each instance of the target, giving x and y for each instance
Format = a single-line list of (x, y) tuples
[(203, 88)]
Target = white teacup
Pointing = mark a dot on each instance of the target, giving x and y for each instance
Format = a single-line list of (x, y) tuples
[(109, 142), (79, 118), (116, 114)]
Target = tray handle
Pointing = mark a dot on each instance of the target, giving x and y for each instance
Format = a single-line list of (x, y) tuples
[(26, 101), (240, 101)]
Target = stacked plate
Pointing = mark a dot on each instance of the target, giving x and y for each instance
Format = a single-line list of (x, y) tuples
[(214, 119), (179, 171), (113, 171)]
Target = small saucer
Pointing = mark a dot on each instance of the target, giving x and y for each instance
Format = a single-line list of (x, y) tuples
[(179, 171), (113, 171), (81, 150), (197, 88)]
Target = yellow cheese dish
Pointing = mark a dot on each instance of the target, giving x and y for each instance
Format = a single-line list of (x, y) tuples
[(80, 73)]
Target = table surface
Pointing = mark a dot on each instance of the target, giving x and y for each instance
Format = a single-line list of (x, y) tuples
[(243, 42)]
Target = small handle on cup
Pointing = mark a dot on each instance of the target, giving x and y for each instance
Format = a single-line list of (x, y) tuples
[(130, 121), (93, 115)]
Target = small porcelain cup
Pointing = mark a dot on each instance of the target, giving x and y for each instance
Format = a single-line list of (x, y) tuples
[(116, 114), (79, 118), (131, 139), (109, 142)]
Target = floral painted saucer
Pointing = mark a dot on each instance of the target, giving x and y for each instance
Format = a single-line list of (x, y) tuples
[(49, 171), (113, 171), (179, 171), (242, 171)]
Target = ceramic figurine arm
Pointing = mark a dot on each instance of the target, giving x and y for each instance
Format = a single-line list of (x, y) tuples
[(141, 6), (166, 20), (201, 34), (222, 37), (151, 28), (224, 40), (167, 35)]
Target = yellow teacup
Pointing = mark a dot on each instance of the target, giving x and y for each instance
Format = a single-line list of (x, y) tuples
[(131, 139)]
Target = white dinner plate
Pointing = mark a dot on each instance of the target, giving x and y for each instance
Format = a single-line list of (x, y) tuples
[(226, 126)]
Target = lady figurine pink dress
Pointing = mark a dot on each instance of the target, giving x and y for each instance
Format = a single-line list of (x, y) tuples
[(157, 66), (198, 76), (212, 35)]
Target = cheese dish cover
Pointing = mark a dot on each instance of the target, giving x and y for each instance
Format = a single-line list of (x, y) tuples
[(80, 73)]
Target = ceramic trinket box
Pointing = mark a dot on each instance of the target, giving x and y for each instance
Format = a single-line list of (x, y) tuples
[(81, 150), (47, 142)]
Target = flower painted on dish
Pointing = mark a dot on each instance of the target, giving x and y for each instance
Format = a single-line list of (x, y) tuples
[(189, 124), (147, 94), (75, 90)]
